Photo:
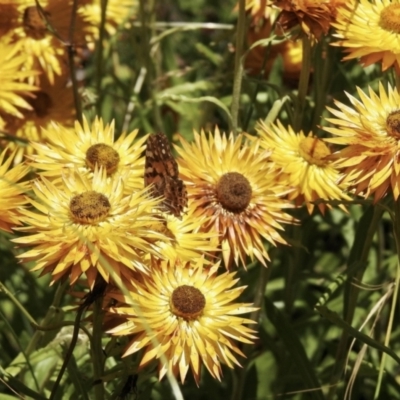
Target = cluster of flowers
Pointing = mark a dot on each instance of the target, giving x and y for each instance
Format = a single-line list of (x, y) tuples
[(35, 43), (87, 215), (368, 31)]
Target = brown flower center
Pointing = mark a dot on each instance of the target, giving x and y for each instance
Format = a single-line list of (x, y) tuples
[(234, 192), (314, 151), (40, 104), (104, 156), (390, 18), (89, 207), (34, 25), (187, 302), (393, 124)]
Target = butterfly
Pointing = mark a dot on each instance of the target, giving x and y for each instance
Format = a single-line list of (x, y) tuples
[(161, 171), (34, 24)]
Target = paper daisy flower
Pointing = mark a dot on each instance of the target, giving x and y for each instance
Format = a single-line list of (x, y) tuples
[(117, 12), (184, 317), (313, 16), (235, 186), (45, 50), (257, 9), (89, 145), (50, 103), (12, 191), (370, 132), (370, 31), (88, 227), (186, 241), (304, 161), (13, 91)]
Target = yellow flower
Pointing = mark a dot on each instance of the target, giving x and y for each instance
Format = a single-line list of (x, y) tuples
[(186, 243), (313, 16), (46, 51), (88, 227), (234, 185), (117, 12), (304, 161), (50, 103), (370, 131), (257, 8), (370, 31), (12, 197), (90, 144), (184, 316), (13, 91)]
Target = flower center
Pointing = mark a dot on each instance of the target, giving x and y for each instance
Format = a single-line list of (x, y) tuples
[(187, 302), (104, 156), (393, 124), (34, 25), (234, 192), (40, 104), (314, 150), (390, 18), (89, 207)]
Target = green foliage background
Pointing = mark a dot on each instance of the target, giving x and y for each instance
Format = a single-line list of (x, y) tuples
[(316, 294)]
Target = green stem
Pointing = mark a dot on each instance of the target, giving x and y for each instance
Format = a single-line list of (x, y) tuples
[(71, 63), (46, 321), (238, 385), (58, 296), (97, 349), (396, 234), (238, 71), (303, 84), (256, 88), (17, 366), (22, 352), (23, 310), (68, 354), (291, 267), (321, 79), (99, 54), (70, 51), (359, 254), (149, 60)]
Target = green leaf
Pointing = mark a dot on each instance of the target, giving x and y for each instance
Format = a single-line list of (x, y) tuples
[(335, 318), (210, 99), (20, 388), (295, 349)]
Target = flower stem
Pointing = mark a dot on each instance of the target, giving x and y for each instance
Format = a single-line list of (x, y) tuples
[(99, 54), (237, 391), (24, 311), (359, 253), (238, 71), (68, 354), (71, 63), (396, 234), (97, 350), (303, 84), (49, 318)]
